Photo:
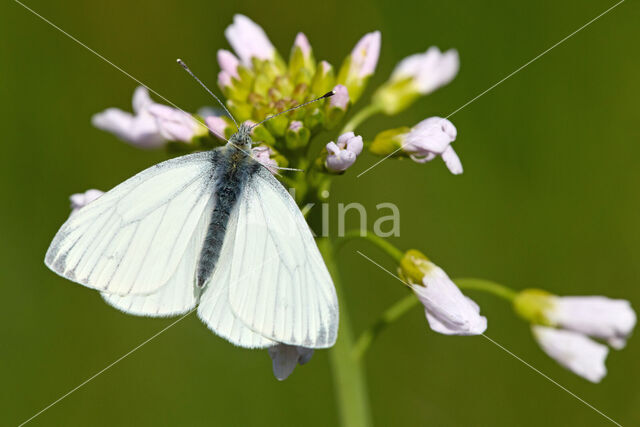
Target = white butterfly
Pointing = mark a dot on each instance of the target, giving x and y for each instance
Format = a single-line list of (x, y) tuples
[(214, 230)]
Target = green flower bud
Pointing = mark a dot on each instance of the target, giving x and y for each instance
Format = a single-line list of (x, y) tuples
[(278, 125), (240, 110), (314, 118), (261, 133), (414, 266), (301, 58), (324, 80), (297, 135), (388, 142), (531, 305)]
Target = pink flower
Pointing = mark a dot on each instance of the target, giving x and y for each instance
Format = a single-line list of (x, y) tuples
[(262, 154), (428, 71), (174, 124), (364, 56), (217, 125), (302, 42), (342, 155), (341, 97), (80, 200), (431, 138), (228, 62), (249, 40), (139, 129), (285, 358)]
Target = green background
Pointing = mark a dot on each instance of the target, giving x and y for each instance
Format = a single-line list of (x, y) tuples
[(549, 198)]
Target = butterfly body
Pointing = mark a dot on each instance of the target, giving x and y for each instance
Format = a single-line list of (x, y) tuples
[(233, 168)]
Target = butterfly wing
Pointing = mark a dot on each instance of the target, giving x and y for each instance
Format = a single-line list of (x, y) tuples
[(133, 238), (277, 283)]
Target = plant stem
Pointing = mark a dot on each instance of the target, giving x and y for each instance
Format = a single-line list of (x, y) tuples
[(348, 372), (392, 314), (387, 247), (360, 117), (487, 286)]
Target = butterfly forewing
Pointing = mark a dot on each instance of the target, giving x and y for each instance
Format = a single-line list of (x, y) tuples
[(131, 239)]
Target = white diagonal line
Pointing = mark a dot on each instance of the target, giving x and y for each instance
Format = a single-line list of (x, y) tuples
[(115, 66), (554, 382), (508, 352), (504, 79), (91, 378)]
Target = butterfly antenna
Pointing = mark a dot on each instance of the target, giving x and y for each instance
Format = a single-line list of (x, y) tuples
[(183, 65), (326, 95)]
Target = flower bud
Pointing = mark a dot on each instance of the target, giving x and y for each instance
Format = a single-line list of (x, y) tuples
[(360, 64), (297, 135), (301, 58), (263, 154), (337, 106), (416, 75), (324, 79)]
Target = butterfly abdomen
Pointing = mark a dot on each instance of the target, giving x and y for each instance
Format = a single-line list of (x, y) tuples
[(234, 169)]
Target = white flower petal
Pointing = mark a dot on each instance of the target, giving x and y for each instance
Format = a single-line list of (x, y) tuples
[(364, 56), (447, 309), (141, 130), (597, 316), (452, 161), (574, 351)]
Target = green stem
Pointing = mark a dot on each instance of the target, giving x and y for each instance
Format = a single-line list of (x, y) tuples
[(387, 247), (348, 372), (487, 286), (392, 314), (360, 117)]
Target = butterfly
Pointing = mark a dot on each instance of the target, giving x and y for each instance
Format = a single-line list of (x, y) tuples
[(213, 230)]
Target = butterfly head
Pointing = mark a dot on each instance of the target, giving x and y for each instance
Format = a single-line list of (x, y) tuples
[(242, 138)]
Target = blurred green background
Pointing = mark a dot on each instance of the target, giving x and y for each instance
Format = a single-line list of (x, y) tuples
[(549, 198)]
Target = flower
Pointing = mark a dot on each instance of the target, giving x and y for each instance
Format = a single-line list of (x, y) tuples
[(174, 124), (416, 75), (80, 200), (341, 97), (574, 351), (342, 155), (228, 62), (140, 130), (249, 40), (262, 153), (217, 125), (286, 357), (360, 64), (611, 320), (428, 139), (428, 71), (448, 310), (302, 42), (152, 125), (576, 318)]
